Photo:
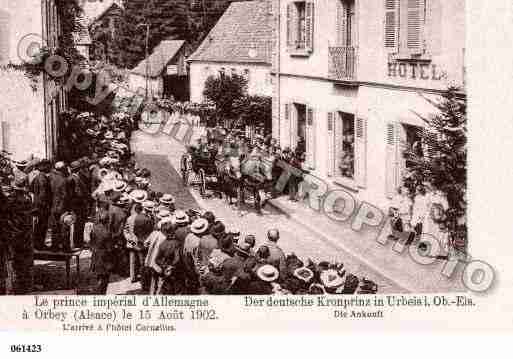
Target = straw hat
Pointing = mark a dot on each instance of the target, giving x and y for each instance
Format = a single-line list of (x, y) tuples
[(181, 217), (119, 186), (304, 274), (138, 195), (148, 205), (124, 200), (167, 199), (331, 279), (199, 226), (163, 213), (267, 273)]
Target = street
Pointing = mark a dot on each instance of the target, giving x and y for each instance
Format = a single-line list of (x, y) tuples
[(294, 237)]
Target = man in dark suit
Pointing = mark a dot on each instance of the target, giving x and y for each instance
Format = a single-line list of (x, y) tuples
[(102, 246), (80, 200), (42, 202), (60, 187), (117, 220)]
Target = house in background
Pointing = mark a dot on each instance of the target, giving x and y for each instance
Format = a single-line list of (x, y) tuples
[(352, 78), (28, 117), (240, 42), (104, 21), (164, 72)]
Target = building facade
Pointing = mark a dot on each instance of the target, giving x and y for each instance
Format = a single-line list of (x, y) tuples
[(164, 72), (239, 43), (28, 111), (353, 79)]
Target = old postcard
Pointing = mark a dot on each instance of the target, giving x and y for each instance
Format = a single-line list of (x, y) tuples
[(177, 166)]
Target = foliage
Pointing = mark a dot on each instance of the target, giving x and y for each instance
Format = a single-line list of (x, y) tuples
[(254, 111), (444, 164), (69, 11), (224, 91), (168, 19)]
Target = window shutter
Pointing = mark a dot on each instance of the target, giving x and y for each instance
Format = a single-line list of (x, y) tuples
[(391, 160), (289, 25), (287, 122), (341, 23), (309, 25), (293, 127), (415, 20), (361, 152), (392, 23), (310, 140), (331, 144)]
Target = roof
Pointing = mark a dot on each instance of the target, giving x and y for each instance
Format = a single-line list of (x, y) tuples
[(93, 10), (159, 58), (242, 34)]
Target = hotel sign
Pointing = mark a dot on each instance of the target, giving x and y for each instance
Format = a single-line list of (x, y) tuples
[(415, 71)]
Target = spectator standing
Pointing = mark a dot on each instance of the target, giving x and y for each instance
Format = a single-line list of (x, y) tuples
[(276, 254), (60, 188), (42, 201), (170, 262), (103, 248)]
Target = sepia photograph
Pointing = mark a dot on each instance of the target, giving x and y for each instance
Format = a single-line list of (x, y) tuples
[(218, 147)]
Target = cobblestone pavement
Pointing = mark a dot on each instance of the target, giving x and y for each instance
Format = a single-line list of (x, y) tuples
[(294, 237)]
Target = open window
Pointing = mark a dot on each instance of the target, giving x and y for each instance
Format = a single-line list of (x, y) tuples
[(300, 27)]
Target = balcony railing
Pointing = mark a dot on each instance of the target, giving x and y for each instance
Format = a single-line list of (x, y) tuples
[(342, 63)]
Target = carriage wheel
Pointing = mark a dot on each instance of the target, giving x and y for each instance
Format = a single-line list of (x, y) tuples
[(203, 184)]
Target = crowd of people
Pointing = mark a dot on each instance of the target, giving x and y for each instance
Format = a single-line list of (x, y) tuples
[(101, 200)]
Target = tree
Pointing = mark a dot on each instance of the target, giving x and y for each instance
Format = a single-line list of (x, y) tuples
[(224, 91), (168, 19), (254, 111), (444, 162)]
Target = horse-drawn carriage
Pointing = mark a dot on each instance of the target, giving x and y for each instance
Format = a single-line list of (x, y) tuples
[(232, 173), (202, 166)]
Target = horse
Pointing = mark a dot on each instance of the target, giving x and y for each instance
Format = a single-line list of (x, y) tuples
[(257, 176), (229, 177)]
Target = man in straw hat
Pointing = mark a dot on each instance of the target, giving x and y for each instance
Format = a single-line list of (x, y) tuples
[(181, 220), (167, 200), (262, 283)]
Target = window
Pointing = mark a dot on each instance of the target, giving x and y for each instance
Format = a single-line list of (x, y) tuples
[(346, 29), (300, 27), (404, 27), (345, 145), (347, 149), (300, 42)]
